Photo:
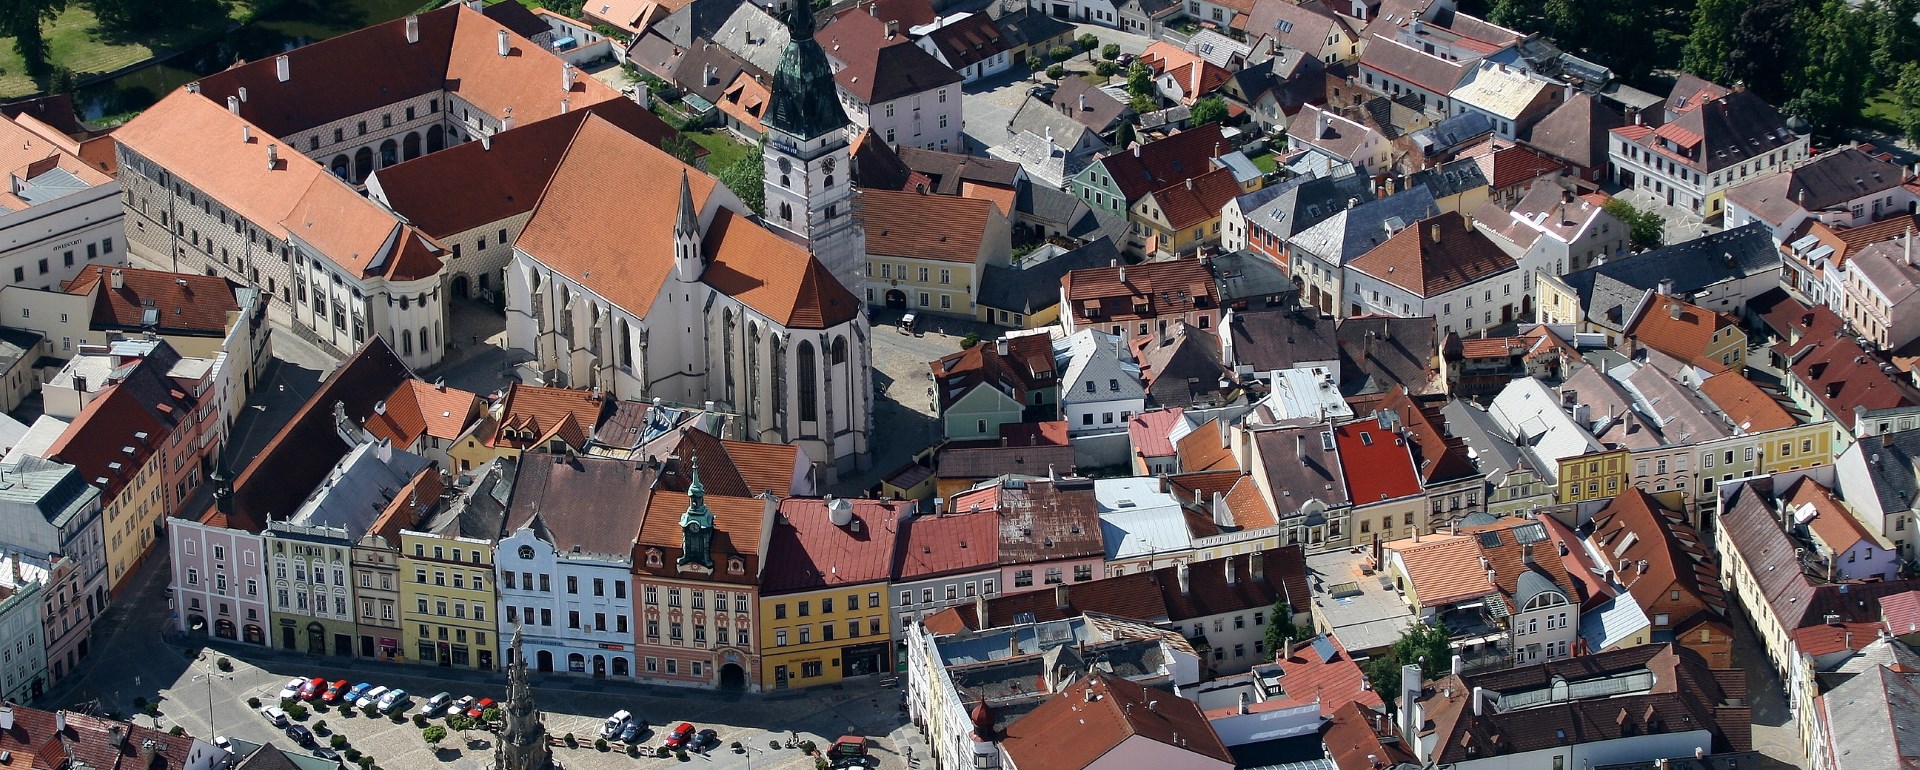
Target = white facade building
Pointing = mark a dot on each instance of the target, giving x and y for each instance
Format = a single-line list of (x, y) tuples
[(586, 597), (1100, 382)]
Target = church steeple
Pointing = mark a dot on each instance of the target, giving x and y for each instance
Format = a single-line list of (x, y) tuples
[(696, 525), (687, 261), (522, 744), (805, 102)]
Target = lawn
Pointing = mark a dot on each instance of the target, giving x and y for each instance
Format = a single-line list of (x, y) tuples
[(723, 149), (73, 43), (1881, 112), (1266, 162)]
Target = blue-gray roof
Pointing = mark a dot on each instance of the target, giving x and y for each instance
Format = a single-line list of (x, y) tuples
[(1607, 291), (1451, 178), (1303, 202), (1452, 132), (1025, 290), (1355, 231)]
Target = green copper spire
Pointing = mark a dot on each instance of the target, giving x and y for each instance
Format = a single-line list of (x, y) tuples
[(805, 103), (696, 525)]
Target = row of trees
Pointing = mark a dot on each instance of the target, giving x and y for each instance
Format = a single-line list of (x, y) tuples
[(1819, 59)]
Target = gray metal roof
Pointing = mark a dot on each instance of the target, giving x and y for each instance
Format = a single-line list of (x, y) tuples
[(1608, 291), (1350, 232)]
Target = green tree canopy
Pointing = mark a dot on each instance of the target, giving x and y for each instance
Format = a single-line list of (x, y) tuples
[(1212, 109), (1645, 229), (1427, 645), (1710, 44), (746, 177)]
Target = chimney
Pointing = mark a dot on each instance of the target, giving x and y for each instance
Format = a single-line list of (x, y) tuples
[(1189, 184), (1666, 287), (566, 76), (1136, 149), (506, 48), (413, 29), (980, 611), (1434, 233), (246, 133), (1123, 273), (1243, 702), (281, 68), (273, 156), (1232, 579), (1673, 310), (59, 721), (1060, 596), (1180, 570), (566, 105), (1409, 697), (118, 278), (6, 718), (1256, 566), (233, 104), (1526, 554), (1000, 346), (1478, 692), (1083, 108), (1457, 661), (893, 28)]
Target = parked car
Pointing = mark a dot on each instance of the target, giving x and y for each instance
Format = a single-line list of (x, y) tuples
[(274, 715), (460, 706), (221, 742), (292, 690), (436, 704), (479, 707), (395, 700), (372, 696), (334, 691), (312, 688), (680, 736), (326, 752), (705, 740), (635, 728), (300, 734), (357, 692), (615, 724)]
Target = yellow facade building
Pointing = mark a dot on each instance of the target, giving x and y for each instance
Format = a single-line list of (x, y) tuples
[(1593, 476), (824, 613), (447, 596)]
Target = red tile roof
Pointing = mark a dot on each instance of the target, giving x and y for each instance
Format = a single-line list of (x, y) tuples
[(105, 444), (1681, 329), (737, 524), (1436, 256), (1197, 200), (1091, 718), (1508, 166), (1745, 403), (1164, 288), (1835, 637), (1172, 160), (1901, 612), (89, 741), (1205, 450), (1027, 365), (1438, 458), (1836, 527), (1353, 742), (1249, 506), (1635, 529), (417, 408), (530, 415), (1444, 569), (1051, 433), (808, 551), (946, 544), (1379, 464), (1841, 375), (1148, 431), (764, 467), (182, 303), (1332, 682), (619, 257), (896, 225)]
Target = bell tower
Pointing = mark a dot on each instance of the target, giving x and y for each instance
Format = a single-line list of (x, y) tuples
[(809, 192)]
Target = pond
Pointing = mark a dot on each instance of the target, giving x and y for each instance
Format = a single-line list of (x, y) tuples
[(285, 27)]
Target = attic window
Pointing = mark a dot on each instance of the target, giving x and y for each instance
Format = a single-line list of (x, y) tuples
[(1326, 441), (736, 565), (1366, 439)]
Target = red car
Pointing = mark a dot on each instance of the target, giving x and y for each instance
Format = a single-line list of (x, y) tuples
[(680, 735), (312, 688), (479, 707), (334, 691)]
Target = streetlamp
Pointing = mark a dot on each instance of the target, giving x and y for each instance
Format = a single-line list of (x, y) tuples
[(208, 678)]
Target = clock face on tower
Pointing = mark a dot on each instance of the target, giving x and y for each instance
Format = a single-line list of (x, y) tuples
[(827, 165)]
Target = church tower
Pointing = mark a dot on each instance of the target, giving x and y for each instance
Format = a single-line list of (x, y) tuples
[(687, 261), (808, 187), (522, 744)]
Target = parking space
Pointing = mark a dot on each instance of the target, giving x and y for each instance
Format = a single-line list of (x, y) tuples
[(762, 725), (991, 102)]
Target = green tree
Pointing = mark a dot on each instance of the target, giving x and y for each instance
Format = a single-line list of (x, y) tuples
[(1710, 45), (1057, 72), (1896, 38), (1283, 628), (1645, 229), (1906, 97), (1517, 14), (21, 20), (1764, 46), (1087, 42), (1833, 77), (683, 147), (746, 177), (1140, 80), (460, 722), (1060, 53), (433, 735), (1110, 51), (1427, 645), (1212, 109)]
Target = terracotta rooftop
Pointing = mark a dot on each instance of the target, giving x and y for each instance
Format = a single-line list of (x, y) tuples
[(1901, 612), (1249, 507), (1027, 365), (1149, 430), (928, 546), (90, 741), (1205, 449), (1635, 529), (1172, 160), (1332, 681), (1752, 527), (1093, 717), (179, 303), (1045, 520), (877, 68), (627, 259), (592, 504), (1436, 256), (1197, 200), (1841, 375), (738, 524), (1681, 329), (1120, 293), (418, 409), (1444, 569), (531, 415), (896, 225), (1745, 403), (1378, 462), (809, 552), (1838, 529), (1353, 742)]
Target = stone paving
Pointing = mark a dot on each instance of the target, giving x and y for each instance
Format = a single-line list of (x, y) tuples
[(904, 413)]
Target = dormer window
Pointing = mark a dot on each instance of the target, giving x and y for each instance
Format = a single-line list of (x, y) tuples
[(653, 557), (736, 565)]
